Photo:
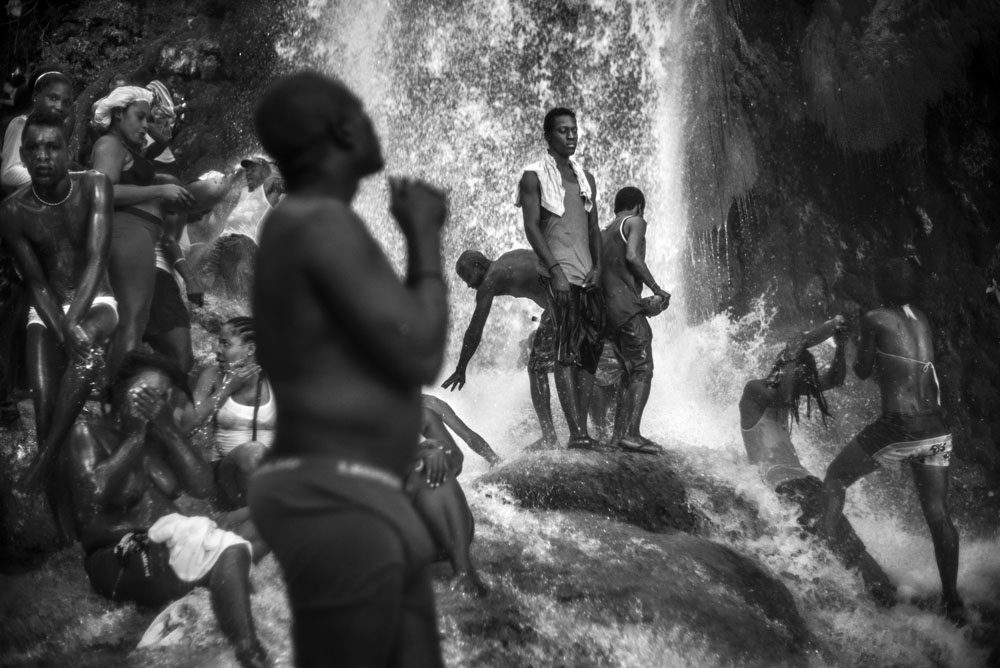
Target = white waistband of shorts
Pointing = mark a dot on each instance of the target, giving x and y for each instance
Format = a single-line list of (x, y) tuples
[(35, 319), (345, 467)]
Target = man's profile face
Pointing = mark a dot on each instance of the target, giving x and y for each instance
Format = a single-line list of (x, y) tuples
[(56, 97), (562, 137), (45, 154)]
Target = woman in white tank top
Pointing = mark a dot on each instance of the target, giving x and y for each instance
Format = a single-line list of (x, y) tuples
[(235, 396)]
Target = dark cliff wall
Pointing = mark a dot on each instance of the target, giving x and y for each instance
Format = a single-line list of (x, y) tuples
[(217, 54), (845, 133)]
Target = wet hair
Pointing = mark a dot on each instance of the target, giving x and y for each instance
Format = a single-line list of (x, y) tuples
[(553, 114), (45, 77), (807, 383), (629, 197), (137, 361), (43, 118), (295, 115), (244, 327), (469, 258), (897, 281)]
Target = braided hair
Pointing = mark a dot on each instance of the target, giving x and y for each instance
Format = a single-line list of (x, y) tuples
[(244, 327), (807, 382)]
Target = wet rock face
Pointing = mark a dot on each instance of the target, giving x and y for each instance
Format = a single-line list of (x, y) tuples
[(641, 490), (837, 189)]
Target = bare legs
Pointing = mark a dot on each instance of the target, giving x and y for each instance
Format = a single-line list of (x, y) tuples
[(574, 386), (538, 381), (932, 489), (60, 388)]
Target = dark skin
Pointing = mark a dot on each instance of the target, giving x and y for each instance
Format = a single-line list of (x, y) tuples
[(513, 274), (438, 498), (343, 341), (448, 417), (906, 388), (632, 397), (759, 398), (62, 253), (127, 471), (572, 385)]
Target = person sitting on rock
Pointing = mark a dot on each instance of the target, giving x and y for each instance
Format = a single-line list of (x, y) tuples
[(432, 485), (766, 410), (126, 470), (234, 394)]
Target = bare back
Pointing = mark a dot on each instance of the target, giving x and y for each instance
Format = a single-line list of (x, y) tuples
[(323, 298), (515, 274), (899, 341)]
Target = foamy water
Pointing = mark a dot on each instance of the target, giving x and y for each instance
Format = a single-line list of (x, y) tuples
[(457, 94)]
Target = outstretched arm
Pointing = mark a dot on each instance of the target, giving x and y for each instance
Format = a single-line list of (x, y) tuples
[(475, 442), (865, 361), (472, 338), (401, 327), (834, 376)]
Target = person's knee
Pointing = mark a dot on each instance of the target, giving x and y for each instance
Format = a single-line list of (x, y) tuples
[(247, 457), (235, 559)]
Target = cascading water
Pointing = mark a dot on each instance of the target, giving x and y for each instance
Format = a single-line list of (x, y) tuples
[(457, 92)]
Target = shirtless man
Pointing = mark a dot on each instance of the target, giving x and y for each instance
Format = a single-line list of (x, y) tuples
[(58, 230), (766, 412), (126, 470), (346, 347), (624, 274), (557, 198), (515, 273), (897, 337)]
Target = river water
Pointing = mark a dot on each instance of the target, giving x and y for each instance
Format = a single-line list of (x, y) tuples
[(457, 91)]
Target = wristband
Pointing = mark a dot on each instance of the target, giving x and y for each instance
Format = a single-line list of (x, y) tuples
[(178, 261)]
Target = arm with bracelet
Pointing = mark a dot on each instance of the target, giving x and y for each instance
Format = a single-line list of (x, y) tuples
[(175, 256)]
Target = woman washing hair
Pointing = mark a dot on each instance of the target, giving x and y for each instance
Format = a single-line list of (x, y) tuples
[(236, 396), (766, 411)]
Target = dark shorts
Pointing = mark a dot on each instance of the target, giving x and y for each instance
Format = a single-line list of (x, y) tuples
[(633, 344), (142, 575), (168, 311), (578, 327), (807, 494), (898, 438), (543, 346), (609, 369), (354, 555)]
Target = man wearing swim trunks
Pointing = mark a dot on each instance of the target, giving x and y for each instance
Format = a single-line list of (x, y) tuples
[(557, 198), (766, 411), (346, 347), (58, 229), (624, 273), (898, 338), (126, 470), (515, 274)]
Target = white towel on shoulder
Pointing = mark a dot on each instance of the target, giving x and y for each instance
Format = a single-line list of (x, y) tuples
[(195, 543), (550, 180)]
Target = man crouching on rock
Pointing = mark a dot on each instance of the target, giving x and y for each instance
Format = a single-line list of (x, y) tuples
[(126, 469), (346, 347)]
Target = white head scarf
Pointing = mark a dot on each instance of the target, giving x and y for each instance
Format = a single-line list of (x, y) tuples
[(119, 98)]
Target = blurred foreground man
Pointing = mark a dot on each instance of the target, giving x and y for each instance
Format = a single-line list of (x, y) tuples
[(346, 348)]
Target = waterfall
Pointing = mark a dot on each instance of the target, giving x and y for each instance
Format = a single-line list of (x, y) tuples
[(458, 91)]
